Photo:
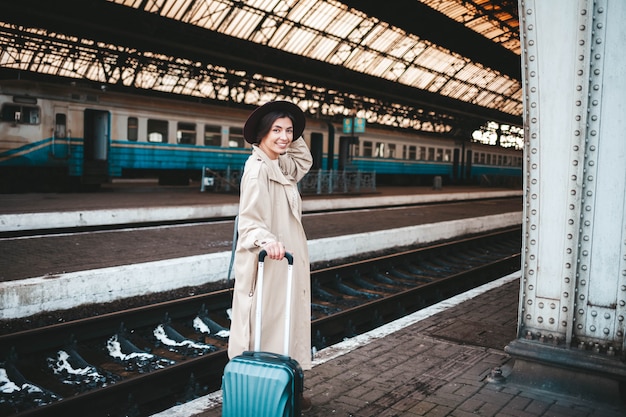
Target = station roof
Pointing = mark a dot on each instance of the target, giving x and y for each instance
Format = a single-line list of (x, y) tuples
[(444, 66)]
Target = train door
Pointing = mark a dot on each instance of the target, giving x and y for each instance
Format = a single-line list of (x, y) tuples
[(455, 164), (317, 150), (345, 151), (61, 134), (96, 146), (468, 165)]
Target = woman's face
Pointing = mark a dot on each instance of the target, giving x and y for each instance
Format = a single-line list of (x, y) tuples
[(278, 139)]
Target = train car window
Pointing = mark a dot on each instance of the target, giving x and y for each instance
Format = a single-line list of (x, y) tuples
[(447, 155), (235, 138), (391, 150), (132, 131), (367, 148), (482, 158), (412, 153), (157, 130), (15, 113), (439, 154), (488, 159), (60, 125), (186, 133), (431, 154), (379, 152), (212, 135), (422, 154), (476, 157), (499, 159)]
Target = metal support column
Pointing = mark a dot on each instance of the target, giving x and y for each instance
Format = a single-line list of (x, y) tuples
[(572, 306)]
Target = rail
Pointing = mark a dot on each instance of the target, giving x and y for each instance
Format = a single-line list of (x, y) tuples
[(147, 374)]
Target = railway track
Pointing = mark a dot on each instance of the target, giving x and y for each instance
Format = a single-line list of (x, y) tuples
[(141, 361)]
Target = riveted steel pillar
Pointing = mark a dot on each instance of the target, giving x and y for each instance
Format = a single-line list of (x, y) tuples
[(572, 306)]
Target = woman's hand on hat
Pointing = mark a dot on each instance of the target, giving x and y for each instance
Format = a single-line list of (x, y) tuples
[(275, 250)]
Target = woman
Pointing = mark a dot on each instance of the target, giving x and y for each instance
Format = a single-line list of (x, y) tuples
[(270, 218)]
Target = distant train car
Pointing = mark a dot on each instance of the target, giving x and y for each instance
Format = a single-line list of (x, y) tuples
[(54, 136)]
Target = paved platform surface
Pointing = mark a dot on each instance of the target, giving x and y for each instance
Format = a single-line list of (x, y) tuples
[(62, 253), (437, 362), (148, 194)]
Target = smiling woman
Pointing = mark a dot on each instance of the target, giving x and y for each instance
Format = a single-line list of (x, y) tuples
[(270, 219)]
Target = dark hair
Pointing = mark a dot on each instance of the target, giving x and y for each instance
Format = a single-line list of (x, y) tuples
[(267, 121)]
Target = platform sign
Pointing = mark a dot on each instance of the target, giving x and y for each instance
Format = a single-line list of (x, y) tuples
[(353, 125)]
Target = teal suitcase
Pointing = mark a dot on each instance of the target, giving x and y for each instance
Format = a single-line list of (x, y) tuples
[(264, 384)]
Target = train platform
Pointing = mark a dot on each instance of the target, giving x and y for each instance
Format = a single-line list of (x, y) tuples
[(144, 201), (444, 360), (61, 271)]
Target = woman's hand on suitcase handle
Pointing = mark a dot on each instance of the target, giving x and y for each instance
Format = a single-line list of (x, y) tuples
[(275, 250)]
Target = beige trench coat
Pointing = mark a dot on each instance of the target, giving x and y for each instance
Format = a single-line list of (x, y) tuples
[(270, 209)]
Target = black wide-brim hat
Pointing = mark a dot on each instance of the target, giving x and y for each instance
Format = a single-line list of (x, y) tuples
[(250, 129)]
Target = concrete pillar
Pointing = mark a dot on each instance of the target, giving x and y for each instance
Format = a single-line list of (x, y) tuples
[(572, 310)]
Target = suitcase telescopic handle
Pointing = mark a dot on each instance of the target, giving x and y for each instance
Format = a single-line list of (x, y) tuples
[(263, 254), (259, 301)]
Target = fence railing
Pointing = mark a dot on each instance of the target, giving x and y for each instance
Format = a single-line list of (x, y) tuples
[(315, 182), (338, 182)]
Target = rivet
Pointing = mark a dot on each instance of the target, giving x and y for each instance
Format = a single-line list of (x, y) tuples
[(592, 328)]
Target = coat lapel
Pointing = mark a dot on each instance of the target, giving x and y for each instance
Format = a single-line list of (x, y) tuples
[(277, 176)]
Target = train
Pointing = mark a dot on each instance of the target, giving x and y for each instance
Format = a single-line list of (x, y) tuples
[(65, 136)]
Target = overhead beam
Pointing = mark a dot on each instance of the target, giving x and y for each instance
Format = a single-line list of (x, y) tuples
[(120, 25), (419, 19)]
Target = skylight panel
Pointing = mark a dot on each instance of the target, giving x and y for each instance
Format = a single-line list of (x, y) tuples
[(455, 89), (241, 23), (436, 60), (344, 24), (267, 5), (317, 15), (299, 41), (361, 60), (176, 9), (471, 73), (321, 48), (417, 77), (381, 68), (382, 39), (208, 14)]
